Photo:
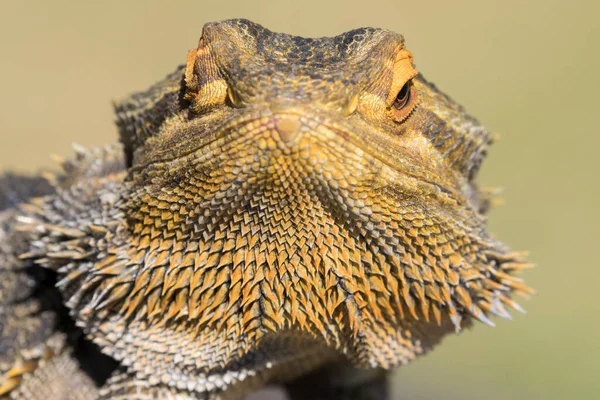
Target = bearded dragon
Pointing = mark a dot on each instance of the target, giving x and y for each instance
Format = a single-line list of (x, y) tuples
[(278, 210)]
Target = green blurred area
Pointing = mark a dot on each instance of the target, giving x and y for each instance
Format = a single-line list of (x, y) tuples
[(528, 70)]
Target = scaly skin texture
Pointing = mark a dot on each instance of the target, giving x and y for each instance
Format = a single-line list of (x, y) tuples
[(280, 209)]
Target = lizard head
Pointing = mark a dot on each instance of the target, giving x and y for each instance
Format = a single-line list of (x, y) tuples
[(245, 81), (279, 186)]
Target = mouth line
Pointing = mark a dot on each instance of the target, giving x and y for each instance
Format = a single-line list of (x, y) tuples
[(355, 140), (345, 134), (221, 132)]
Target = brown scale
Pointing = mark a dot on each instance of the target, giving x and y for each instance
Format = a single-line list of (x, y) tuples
[(297, 202)]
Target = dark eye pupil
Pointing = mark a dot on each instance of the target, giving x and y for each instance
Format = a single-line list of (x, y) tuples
[(403, 96)]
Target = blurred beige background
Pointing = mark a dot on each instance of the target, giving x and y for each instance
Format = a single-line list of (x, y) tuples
[(528, 70)]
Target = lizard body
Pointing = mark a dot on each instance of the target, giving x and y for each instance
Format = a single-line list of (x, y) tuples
[(279, 207)]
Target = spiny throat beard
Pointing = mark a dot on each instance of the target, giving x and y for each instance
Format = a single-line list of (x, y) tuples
[(272, 237)]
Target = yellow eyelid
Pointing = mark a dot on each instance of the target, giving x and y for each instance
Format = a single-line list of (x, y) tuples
[(205, 87), (403, 71)]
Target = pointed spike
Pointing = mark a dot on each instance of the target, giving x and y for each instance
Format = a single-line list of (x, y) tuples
[(117, 294), (437, 313), (157, 280), (480, 315), (500, 311), (417, 288), (410, 304), (71, 277), (456, 321), (522, 289), (464, 298), (454, 317), (170, 280), (485, 306), (512, 304), (153, 303), (97, 299), (132, 305), (433, 292), (506, 278), (517, 266), (31, 254), (114, 269)]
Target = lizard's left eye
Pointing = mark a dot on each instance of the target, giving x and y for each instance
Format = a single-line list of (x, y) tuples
[(403, 96), (404, 102)]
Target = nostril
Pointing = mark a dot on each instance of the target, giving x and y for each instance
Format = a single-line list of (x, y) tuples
[(287, 127)]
